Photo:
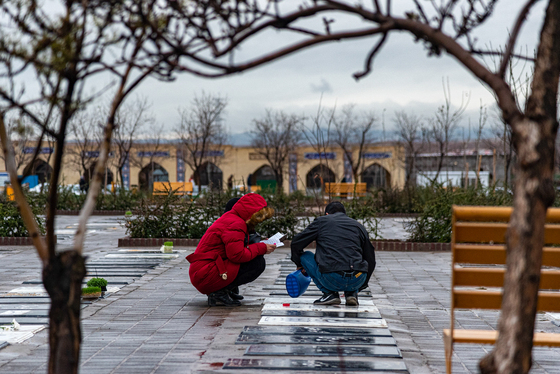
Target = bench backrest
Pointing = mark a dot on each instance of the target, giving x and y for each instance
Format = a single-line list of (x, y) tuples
[(346, 188), (479, 258), (179, 188)]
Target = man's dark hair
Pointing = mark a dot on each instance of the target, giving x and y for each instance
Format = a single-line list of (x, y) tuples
[(335, 207), (231, 203)]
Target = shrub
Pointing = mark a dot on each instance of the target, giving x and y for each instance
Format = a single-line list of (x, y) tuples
[(11, 222), (168, 244), (434, 223), (97, 282)]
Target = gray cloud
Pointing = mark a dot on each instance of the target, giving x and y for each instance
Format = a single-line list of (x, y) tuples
[(321, 88)]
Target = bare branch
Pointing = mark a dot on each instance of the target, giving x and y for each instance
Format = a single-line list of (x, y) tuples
[(513, 36)]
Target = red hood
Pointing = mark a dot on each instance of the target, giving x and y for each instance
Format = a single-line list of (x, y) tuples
[(249, 205)]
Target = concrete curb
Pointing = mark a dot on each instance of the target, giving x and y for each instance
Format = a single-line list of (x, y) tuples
[(380, 245)]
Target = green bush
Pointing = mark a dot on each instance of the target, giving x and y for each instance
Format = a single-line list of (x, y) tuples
[(434, 222), (90, 290), (11, 222), (168, 244), (97, 282)]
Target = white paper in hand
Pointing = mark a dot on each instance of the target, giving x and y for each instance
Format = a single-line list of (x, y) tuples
[(275, 239)]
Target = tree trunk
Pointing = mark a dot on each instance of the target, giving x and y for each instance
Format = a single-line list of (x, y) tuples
[(534, 193), (62, 278)]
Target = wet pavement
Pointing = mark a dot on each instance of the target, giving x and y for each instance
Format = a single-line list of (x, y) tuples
[(158, 323)]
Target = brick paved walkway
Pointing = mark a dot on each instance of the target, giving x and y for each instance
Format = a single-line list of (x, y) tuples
[(160, 324)]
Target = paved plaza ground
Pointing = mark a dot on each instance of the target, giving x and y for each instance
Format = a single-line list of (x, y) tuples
[(161, 324)]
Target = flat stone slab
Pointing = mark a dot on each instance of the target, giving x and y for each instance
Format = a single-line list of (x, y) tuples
[(321, 308), (315, 339), (316, 331), (315, 293), (146, 255), (319, 314), (25, 300), (304, 300), (319, 350), (315, 321), (317, 365), (85, 280), (29, 291), (25, 332), (24, 320)]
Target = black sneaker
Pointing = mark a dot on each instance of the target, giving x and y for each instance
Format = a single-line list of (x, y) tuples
[(221, 298), (351, 298), (328, 298)]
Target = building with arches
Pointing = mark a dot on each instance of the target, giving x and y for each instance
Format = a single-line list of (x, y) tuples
[(305, 169)]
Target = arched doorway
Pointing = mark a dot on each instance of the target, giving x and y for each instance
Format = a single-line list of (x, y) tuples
[(208, 174), (376, 176), (318, 176), (264, 177), (41, 169), (107, 177), (153, 172)]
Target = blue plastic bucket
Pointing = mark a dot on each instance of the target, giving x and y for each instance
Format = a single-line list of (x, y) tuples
[(297, 283)]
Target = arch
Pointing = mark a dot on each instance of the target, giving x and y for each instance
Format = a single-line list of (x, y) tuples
[(264, 177), (208, 174), (376, 176), (152, 172), (318, 176), (89, 174), (39, 168)]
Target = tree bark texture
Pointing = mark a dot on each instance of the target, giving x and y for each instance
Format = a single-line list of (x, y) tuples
[(534, 139), (62, 278)]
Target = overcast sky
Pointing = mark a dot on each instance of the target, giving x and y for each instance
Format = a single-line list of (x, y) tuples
[(403, 77)]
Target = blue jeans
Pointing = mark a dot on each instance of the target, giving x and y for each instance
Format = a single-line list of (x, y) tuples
[(329, 282)]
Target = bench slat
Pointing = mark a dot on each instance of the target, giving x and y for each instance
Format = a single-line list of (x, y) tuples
[(490, 336), (496, 254), (475, 232), (494, 277), (483, 299), (495, 214)]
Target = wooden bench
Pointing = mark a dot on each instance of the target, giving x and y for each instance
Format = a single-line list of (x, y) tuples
[(479, 258), (178, 188), (345, 189)]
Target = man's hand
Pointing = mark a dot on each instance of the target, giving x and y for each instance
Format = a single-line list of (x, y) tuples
[(270, 248), (302, 270)]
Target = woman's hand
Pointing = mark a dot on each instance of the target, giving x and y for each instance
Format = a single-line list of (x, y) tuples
[(270, 248)]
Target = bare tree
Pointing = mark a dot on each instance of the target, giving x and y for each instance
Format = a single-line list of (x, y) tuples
[(482, 119), (444, 125), (64, 46), (85, 130), (409, 135), (353, 131), (276, 136), (149, 151), (202, 131), (442, 26), (131, 120)]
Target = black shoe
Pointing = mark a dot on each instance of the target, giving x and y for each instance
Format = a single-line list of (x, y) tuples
[(351, 298), (234, 294), (328, 298), (221, 298)]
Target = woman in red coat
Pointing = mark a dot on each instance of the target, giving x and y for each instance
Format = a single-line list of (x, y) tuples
[(223, 260)]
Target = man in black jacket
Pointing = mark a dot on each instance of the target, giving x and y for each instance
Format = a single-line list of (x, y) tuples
[(344, 259)]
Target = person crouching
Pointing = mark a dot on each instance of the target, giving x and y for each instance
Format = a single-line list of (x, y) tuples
[(344, 259), (222, 260)]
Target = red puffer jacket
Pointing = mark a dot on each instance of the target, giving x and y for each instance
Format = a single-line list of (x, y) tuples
[(215, 262)]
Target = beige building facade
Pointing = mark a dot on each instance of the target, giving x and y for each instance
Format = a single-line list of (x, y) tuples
[(306, 170)]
